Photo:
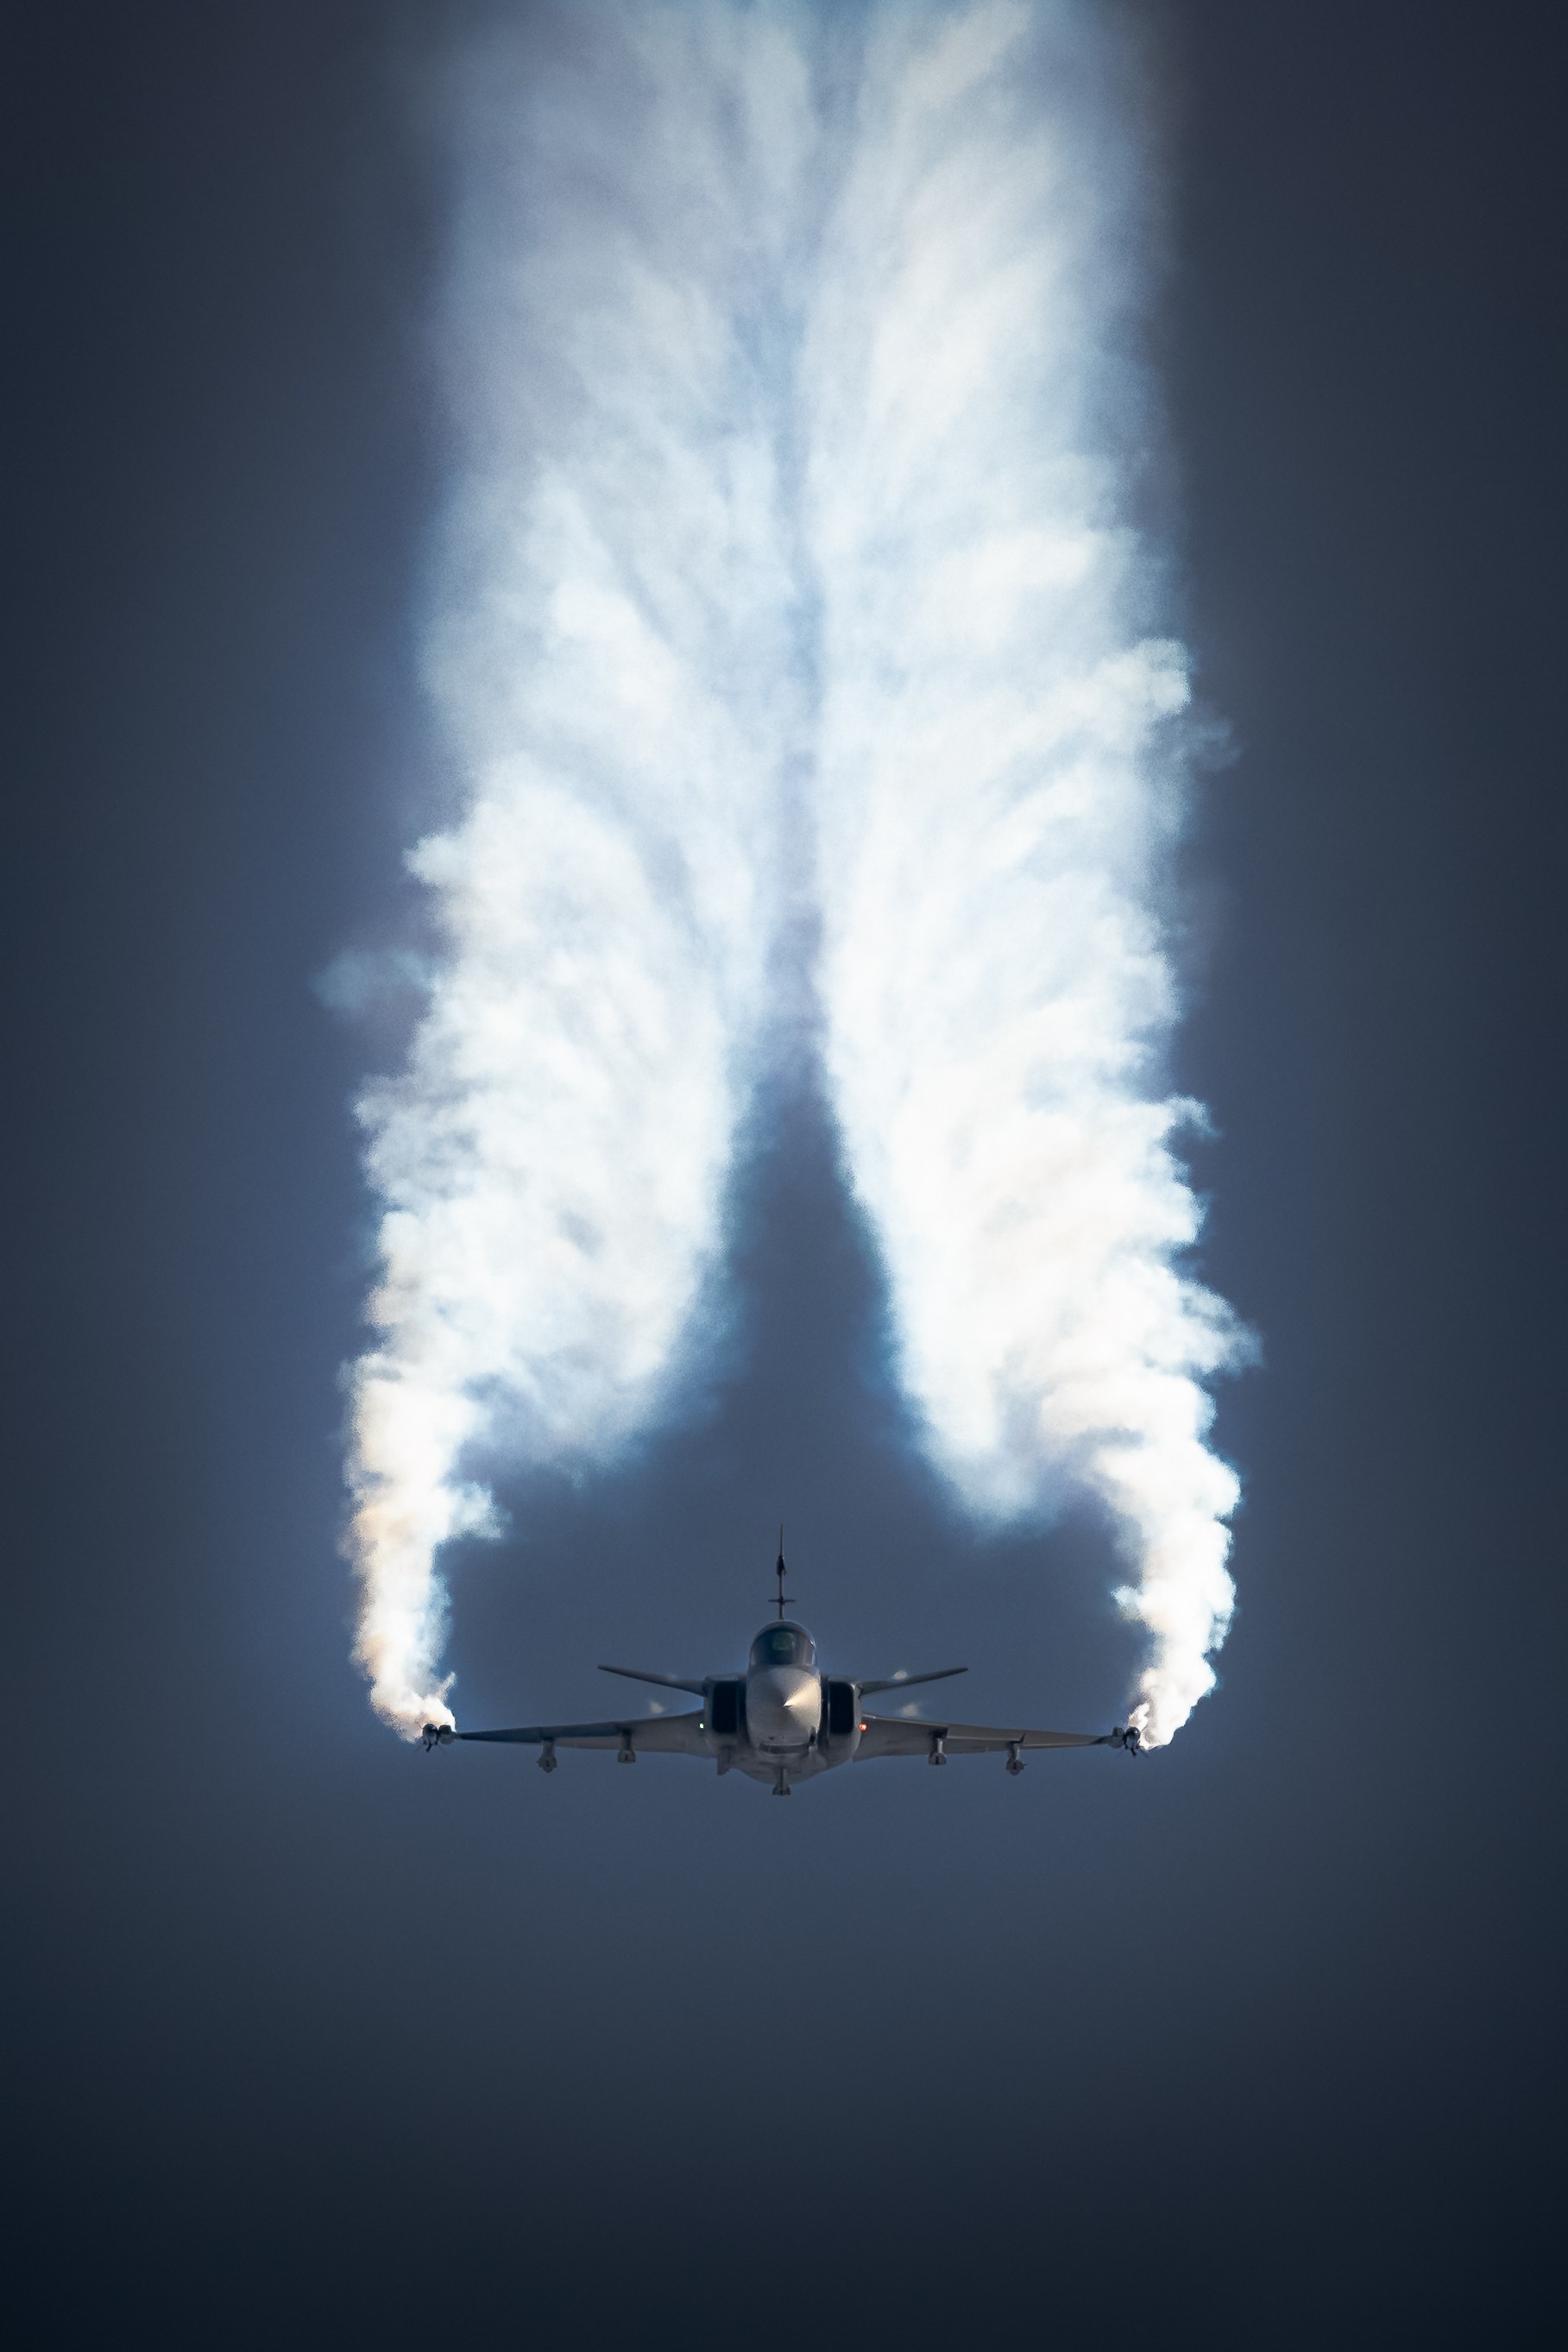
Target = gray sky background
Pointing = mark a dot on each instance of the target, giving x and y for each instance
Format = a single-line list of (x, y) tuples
[(1254, 2044)]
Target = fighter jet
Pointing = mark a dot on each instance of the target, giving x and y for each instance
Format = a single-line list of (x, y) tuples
[(784, 1720)]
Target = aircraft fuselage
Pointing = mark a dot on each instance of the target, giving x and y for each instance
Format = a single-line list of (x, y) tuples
[(773, 1718), (783, 1720)]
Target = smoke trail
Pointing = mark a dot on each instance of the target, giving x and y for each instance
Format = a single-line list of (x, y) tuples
[(610, 661), (998, 789), (788, 362)]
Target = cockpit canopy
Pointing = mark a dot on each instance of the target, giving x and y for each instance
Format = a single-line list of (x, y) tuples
[(784, 1645)]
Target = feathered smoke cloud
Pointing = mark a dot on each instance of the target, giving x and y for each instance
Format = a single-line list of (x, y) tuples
[(797, 439), (610, 660), (1000, 787)]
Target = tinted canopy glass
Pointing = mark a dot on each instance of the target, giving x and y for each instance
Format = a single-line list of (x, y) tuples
[(784, 1645)]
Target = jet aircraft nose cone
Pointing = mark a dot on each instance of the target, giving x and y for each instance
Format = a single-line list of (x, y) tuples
[(783, 1706)]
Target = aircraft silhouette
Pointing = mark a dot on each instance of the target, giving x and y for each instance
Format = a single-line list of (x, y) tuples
[(783, 1721)]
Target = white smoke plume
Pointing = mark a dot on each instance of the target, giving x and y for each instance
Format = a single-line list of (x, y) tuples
[(609, 656), (998, 793), (795, 436)]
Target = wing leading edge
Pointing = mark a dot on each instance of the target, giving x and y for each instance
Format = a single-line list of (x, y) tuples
[(657, 1735), (905, 1734), (880, 1735)]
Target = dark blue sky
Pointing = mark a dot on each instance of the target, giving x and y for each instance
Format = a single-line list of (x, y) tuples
[(1256, 2044)]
